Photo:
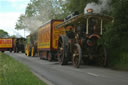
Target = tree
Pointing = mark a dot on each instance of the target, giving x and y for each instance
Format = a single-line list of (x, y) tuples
[(3, 34), (78, 5), (116, 36), (39, 12), (20, 23)]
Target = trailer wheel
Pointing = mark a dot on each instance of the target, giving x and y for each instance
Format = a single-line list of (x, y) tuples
[(22, 51), (2, 51), (49, 56), (102, 58), (10, 51), (61, 53), (77, 55)]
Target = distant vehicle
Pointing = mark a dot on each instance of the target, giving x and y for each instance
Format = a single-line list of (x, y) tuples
[(31, 44), (6, 44), (19, 45), (12, 44)]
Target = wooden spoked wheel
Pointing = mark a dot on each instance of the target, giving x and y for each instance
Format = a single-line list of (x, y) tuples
[(77, 55), (61, 52), (102, 58)]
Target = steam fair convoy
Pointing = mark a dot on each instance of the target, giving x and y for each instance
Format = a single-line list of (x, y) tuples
[(44, 42), (76, 39), (6, 44)]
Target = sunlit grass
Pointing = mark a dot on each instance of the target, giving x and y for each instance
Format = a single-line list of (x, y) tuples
[(15, 73)]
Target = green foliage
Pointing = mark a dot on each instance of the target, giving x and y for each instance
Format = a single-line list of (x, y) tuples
[(13, 36), (39, 12), (116, 36), (3, 34), (78, 5), (20, 23), (15, 73)]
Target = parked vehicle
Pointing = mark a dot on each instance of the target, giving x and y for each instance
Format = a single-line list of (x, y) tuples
[(80, 43)]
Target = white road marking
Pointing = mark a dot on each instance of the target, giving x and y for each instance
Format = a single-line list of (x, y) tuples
[(93, 74)]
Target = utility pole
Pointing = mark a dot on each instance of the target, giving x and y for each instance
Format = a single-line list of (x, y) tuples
[(24, 32)]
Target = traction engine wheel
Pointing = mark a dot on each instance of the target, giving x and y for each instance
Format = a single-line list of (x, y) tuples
[(61, 53), (77, 55), (32, 51), (102, 59)]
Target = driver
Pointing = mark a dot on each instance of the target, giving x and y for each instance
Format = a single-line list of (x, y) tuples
[(70, 32), (92, 25)]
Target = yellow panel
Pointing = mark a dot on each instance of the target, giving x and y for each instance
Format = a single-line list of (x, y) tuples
[(44, 36), (56, 33), (5, 43)]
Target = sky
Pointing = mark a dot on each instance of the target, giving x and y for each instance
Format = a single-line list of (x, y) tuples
[(10, 10)]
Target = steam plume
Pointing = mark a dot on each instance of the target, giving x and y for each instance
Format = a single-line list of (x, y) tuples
[(45, 13), (102, 5), (32, 23)]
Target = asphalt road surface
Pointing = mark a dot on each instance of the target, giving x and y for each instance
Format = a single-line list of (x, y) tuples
[(68, 75)]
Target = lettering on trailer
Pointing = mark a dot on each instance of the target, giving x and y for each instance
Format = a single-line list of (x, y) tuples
[(56, 33), (44, 37), (5, 43)]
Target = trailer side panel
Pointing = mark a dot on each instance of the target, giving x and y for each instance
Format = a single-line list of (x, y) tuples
[(44, 34), (56, 33), (6, 43)]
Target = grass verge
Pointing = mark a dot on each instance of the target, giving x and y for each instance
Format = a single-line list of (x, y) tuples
[(15, 73)]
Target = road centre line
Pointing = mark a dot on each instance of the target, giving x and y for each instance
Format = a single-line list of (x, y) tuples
[(93, 74)]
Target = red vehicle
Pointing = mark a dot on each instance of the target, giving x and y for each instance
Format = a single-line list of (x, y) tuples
[(48, 38), (6, 44)]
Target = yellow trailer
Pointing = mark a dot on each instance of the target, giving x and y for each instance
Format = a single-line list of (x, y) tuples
[(47, 39), (6, 44)]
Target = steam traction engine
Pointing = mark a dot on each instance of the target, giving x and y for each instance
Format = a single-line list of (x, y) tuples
[(80, 42), (19, 45), (31, 44)]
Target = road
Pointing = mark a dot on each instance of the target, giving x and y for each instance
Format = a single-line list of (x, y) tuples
[(68, 75)]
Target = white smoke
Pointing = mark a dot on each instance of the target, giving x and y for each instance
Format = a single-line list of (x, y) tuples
[(44, 14), (32, 23), (99, 7)]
